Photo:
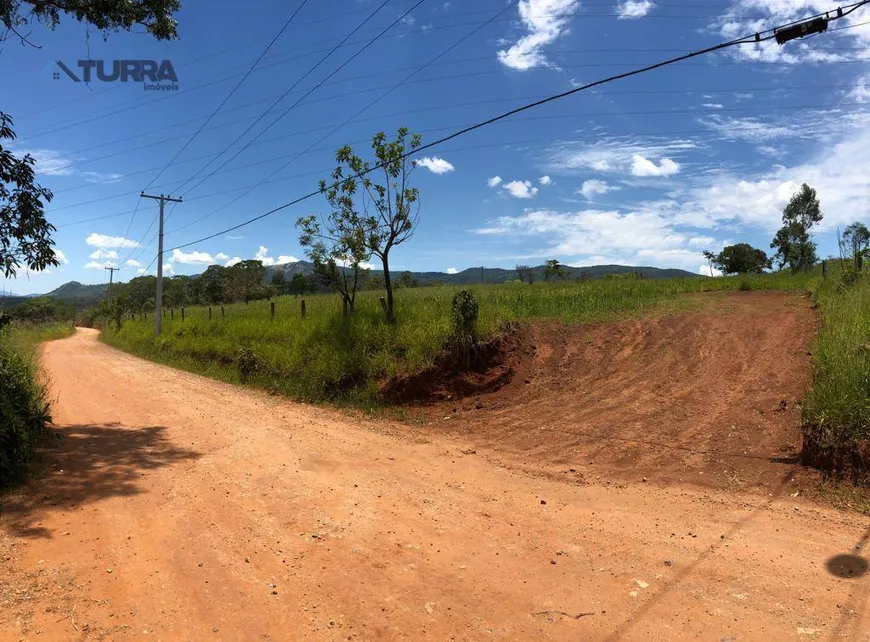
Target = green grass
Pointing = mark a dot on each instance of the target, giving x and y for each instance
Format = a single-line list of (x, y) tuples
[(326, 357), (23, 406), (837, 409)]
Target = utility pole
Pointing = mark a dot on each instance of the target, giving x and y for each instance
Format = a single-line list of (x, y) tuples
[(112, 269), (158, 308)]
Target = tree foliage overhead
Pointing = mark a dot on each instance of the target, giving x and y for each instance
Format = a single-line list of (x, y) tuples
[(105, 15), (793, 242), (25, 234), (741, 258)]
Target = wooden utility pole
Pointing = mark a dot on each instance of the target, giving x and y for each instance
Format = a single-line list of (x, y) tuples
[(158, 316), (112, 271)]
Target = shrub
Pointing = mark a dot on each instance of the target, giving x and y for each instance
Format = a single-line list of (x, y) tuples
[(23, 412), (463, 337)]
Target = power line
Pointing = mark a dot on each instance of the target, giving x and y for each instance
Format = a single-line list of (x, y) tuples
[(757, 37), (609, 113), (310, 91)]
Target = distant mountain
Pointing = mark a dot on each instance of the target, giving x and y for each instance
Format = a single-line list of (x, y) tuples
[(497, 275), (78, 291)]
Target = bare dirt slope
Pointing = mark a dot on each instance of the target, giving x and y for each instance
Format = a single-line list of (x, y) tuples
[(709, 396), (184, 508)]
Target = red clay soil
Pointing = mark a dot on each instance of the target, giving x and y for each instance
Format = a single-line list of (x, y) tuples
[(707, 396), (175, 507)]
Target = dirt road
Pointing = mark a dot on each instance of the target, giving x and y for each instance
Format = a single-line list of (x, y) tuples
[(180, 508)]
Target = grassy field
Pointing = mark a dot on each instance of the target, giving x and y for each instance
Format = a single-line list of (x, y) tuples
[(326, 357), (23, 406)]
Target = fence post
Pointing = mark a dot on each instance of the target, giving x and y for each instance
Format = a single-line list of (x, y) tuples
[(171, 313), (209, 313), (182, 313), (384, 305), (222, 313), (164, 313), (824, 269), (272, 306), (303, 308)]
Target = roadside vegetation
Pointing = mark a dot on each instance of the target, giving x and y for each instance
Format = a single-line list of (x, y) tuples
[(24, 405)]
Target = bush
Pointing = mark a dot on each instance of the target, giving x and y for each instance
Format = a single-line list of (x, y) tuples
[(23, 412)]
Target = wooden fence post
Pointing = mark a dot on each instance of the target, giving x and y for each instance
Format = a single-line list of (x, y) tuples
[(303, 308), (182, 313), (824, 269), (171, 313), (384, 305), (272, 306), (222, 313), (209, 313)]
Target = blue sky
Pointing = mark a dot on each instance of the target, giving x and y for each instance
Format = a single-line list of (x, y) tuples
[(646, 171)]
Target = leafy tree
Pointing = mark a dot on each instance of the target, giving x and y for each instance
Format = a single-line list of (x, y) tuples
[(213, 283), (741, 258), (553, 268), (245, 280), (279, 282), (105, 15), (25, 234), (793, 243), (854, 244), (711, 259), (406, 280), (382, 215), (526, 273), (298, 284), (337, 245)]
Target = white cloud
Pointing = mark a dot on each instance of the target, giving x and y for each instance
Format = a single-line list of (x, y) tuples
[(102, 240), (134, 263), (545, 180), (861, 92), (96, 265), (633, 9), (713, 105), (546, 21), (231, 262), (706, 270), (140, 271), (435, 165), (168, 269), (286, 258), (641, 166), (613, 154), (60, 256), (263, 255), (495, 181), (521, 189), (594, 187), (192, 258), (702, 241), (99, 255), (99, 177), (220, 256), (49, 162), (452, 271)]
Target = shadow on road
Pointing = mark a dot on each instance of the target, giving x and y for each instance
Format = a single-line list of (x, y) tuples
[(85, 464)]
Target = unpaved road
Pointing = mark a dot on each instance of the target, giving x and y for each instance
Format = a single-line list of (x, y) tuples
[(180, 508)]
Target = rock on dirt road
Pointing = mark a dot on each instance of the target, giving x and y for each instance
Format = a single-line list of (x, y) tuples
[(180, 508)]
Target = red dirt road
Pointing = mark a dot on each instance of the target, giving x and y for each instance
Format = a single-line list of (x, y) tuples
[(180, 508)]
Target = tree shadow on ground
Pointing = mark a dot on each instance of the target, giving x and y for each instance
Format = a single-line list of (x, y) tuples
[(81, 464)]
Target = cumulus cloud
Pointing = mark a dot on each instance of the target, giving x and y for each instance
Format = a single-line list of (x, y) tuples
[(99, 255), (192, 258), (60, 256), (231, 262), (594, 187), (495, 181), (452, 271), (102, 240), (168, 269), (545, 180), (134, 263), (521, 189), (220, 256), (861, 92), (641, 166), (263, 255), (435, 165), (545, 22), (96, 265), (633, 9)]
